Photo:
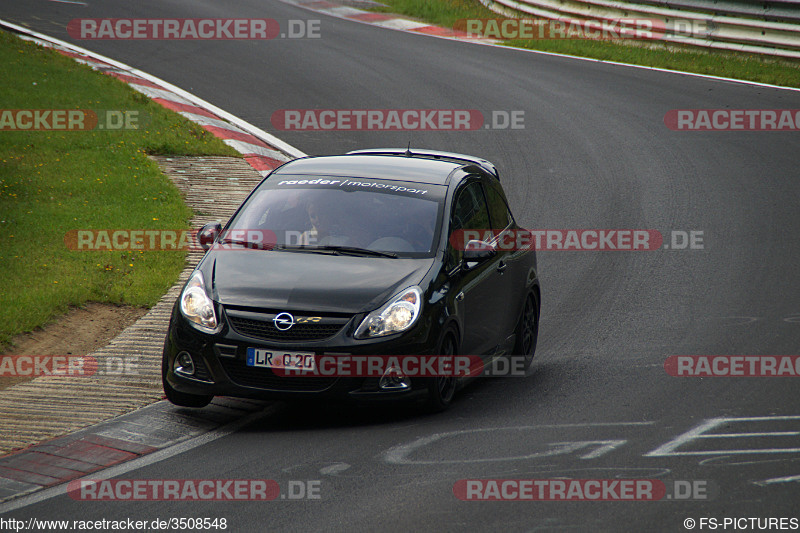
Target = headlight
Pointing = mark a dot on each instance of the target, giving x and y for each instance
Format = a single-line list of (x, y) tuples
[(196, 306), (398, 315)]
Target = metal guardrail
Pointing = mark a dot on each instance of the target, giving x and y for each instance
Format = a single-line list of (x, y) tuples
[(774, 10), (771, 27)]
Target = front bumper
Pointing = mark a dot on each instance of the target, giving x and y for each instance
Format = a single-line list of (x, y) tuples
[(221, 369)]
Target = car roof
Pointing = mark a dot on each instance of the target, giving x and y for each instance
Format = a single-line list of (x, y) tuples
[(376, 166), (485, 165)]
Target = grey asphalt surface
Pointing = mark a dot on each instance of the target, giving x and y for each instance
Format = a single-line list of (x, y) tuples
[(594, 153)]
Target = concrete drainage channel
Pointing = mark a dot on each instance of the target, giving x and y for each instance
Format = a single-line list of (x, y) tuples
[(152, 432)]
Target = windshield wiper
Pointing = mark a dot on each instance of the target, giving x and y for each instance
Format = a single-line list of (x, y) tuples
[(248, 244), (353, 250), (333, 250), (305, 248)]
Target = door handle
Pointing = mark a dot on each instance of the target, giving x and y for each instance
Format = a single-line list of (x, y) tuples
[(502, 267), (460, 297)]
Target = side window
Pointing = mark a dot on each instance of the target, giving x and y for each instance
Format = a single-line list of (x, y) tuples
[(498, 210), (469, 208), (469, 212)]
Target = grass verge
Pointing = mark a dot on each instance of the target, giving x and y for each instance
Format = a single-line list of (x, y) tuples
[(55, 181), (751, 67)]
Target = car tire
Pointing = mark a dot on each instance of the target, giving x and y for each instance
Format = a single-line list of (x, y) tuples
[(178, 398), (527, 331), (441, 389)]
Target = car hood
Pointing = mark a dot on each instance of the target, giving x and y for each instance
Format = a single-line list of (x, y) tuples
[(303, 281)]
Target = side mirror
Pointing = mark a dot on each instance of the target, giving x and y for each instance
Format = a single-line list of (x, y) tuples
[(208, 234), (476, 252)]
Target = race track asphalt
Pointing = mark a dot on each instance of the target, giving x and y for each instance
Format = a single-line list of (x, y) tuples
[(594, 153)]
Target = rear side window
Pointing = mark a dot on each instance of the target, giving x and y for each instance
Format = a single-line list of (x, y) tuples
[(498, 209), (469, 209), (469, 212)]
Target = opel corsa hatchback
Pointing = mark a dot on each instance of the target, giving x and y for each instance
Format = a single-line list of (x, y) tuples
[(342, 256)]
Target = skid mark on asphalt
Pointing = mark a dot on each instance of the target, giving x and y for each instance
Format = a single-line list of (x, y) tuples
[(729, 460), (334, 469), (786, 479), (723, 438), (592, 448)]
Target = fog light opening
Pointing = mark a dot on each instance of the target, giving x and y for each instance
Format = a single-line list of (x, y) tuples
[(184, 364), (393, 380)]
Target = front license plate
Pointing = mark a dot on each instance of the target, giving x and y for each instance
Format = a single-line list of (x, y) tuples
[(297, 361)]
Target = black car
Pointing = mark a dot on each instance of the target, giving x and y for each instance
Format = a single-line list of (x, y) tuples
[(340, 256)]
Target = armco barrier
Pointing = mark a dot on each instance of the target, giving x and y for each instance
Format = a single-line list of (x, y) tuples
[(771, 27)]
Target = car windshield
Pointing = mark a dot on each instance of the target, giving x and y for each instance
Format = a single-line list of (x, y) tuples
[(330, 213)]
